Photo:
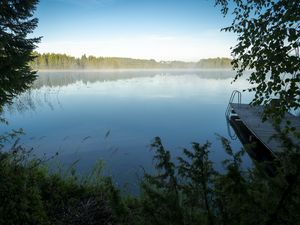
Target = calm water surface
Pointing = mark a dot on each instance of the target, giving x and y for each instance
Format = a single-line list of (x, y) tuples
[(114, 115)]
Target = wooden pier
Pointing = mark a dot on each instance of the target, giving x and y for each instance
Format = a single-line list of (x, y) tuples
[(265, 132)]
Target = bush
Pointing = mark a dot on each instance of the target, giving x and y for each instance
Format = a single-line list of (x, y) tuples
[(188, 191), (29, 194)]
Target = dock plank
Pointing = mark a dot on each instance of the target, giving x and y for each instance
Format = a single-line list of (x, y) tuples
[(251, 116)]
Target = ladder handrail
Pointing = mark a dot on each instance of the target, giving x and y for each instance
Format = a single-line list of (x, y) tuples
[(239, 94), (228, 111)]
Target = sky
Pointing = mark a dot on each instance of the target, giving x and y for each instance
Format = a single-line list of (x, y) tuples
[(186, 30)]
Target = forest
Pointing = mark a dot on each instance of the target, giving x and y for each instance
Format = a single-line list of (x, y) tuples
[(63, 61)]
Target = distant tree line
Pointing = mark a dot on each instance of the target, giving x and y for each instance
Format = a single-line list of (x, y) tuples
[(63, 61)]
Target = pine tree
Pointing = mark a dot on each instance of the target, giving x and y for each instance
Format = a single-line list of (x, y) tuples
[(16, 22)]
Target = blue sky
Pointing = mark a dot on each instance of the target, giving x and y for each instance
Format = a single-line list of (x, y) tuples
[(151, 29)]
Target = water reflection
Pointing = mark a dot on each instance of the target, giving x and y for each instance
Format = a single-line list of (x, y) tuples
[(113, 116), (50, 85), (64, 78)]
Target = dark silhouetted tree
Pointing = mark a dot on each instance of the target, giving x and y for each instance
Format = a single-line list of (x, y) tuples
[(16, 22)]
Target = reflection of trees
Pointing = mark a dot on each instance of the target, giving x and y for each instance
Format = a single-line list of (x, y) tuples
[(64, 78), (46, 89)]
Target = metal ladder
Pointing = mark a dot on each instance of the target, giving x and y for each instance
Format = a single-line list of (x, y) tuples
[(228, 112), (232, 97)]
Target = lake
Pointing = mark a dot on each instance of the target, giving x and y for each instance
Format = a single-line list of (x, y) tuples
[(114, 115)]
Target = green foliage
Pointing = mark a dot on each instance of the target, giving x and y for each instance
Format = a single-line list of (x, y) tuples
[(215, 63), (197, 173), (188, 191), (268, 44), (63, 61), (183, 193), (191, 191), (161, 197), (16, 23), (29, 194)]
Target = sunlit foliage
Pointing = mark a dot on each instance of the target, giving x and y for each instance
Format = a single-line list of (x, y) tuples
[(63, 61)]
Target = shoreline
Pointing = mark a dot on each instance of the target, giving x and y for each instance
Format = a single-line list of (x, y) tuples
[(132, 69)]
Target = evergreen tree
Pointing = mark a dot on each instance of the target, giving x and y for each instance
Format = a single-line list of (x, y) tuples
[(16, 22), (63, 61)]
